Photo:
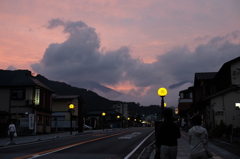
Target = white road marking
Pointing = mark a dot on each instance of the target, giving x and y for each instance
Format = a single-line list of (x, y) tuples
[(130, 154), (130, 136)]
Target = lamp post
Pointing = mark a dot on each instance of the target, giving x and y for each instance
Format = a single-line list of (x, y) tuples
[(71, 111), (103, 117), (162, 92), (118, 117)]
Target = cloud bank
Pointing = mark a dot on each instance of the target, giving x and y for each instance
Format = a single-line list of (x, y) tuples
[(80, 58)]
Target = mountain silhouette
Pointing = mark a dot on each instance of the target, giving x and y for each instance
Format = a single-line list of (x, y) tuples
[(92, 100)]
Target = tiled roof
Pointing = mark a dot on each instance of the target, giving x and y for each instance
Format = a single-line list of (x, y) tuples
[(227, 66), (19, 78)]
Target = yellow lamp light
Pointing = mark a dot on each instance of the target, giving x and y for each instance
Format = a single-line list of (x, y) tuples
[(176, 111), (118, 116), (165, 104), (103, 113), (71, 106), (128, 118), (162, 92)]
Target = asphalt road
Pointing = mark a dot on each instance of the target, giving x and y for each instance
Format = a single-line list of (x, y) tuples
[(118, 144)]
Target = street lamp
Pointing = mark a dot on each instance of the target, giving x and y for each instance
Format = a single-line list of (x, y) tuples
[(103, 115), (176, 111), (71, 111), (162, 92), (118, 117)]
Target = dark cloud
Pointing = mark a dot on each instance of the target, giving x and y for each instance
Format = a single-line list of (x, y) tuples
[(177, 85), (79, 59)]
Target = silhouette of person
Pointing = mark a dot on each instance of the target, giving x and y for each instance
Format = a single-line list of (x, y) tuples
[(167, 135)]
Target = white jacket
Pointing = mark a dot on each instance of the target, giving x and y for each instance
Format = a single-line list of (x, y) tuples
[(193, 136), (11, 128)]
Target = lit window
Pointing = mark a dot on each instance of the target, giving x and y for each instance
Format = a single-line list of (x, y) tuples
[(237, 105)]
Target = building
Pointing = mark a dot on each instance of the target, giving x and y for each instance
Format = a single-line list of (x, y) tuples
[(184, 103), (216, 96), (98, 120), (122, 108), (224, 102), (61, 115), (25, 101)]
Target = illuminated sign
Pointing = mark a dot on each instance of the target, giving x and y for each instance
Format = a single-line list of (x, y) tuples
[(37, 96)]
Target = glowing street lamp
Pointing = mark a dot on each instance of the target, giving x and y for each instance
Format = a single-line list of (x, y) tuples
[(71, 111), (103, 119), (118, 117), (162, 92), (165, 105)]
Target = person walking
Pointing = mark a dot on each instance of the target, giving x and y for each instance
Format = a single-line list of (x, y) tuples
[(197, 135), (11, 130), (167, 135)]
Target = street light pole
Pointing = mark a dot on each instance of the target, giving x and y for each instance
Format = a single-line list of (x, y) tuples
[(71, 111), (103, 117), (118, 121), (162, 92)]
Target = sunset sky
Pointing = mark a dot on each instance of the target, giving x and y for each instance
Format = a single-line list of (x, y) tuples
[(131, 46)]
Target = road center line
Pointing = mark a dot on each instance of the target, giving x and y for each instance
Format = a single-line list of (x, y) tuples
[(39, 154), (130, 154)]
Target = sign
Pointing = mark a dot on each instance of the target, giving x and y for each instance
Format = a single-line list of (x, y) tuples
[(31, 121), (37, 96)]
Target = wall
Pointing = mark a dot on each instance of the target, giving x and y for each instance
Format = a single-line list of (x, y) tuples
[(4, 100), (228, 101)]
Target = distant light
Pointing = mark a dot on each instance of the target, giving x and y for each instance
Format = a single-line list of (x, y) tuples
[(165, 104), (103, 113), (176, 110), (237, 105)]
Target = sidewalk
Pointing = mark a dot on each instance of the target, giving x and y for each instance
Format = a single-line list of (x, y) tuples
[(184, 150), (28, 139)]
